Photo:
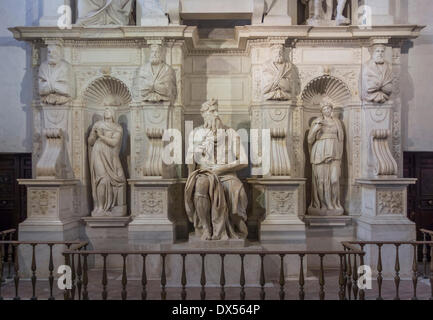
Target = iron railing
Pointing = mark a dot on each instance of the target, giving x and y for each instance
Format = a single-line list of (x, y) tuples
[(12, 259), (397, 265), (77, 259)]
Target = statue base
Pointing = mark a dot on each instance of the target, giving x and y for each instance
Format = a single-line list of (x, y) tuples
[(50, 217), (157, 211), (278, 208), (196, 243), (384, 218), (325, 212)]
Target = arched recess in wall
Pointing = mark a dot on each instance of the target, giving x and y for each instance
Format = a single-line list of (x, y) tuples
[(336, 90), (326, 86), (112, 93), (107, 91)]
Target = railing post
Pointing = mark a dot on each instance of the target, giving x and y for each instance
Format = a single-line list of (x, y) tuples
[(73, 277), (321, 278), (355, 277), (282, 278), (79, 274), (16, 271), (222, 278), (242, 278), (341, 278), (203, 277), (397, 272), (262, 277), (361, 262), (66, 294), (183, 278), (50, 269), (379, 271), (144, 279), (349, 275), (85, 277), (415, 271), (301, 277), (9, 258), (104, 277), (424, 255), (124, 293), (163, 279)]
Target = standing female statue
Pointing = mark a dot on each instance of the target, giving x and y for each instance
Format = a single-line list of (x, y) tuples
[(106, 172), (326, 141)]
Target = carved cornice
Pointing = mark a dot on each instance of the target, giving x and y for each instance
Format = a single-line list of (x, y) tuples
[(136, 36)]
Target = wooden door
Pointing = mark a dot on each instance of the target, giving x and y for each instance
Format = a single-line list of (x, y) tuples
[(13, 198), (420, 196)]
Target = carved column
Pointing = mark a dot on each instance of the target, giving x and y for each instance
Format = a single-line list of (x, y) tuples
[(271, 114), (384, 192), (52, 193), (156, 190)]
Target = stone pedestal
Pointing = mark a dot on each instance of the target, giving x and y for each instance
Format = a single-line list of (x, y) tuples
[(50, 217), (157, 211), (327, 233), (278, 208), (384, 218), (107, 233)]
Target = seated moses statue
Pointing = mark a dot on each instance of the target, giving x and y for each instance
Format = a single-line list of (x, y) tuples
[(215, 198)]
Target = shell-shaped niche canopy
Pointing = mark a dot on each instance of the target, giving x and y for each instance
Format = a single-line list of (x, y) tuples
[(327, 87), (107, 91)]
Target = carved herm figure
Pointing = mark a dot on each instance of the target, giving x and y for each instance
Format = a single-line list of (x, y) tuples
[(156, 80), (215, 198), (55, 78), (377, 80), (277, 76)]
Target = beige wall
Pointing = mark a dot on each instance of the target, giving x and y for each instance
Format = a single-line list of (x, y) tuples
[(417, 81)]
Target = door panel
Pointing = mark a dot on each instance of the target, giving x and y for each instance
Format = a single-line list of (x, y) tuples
[(420, 196), (13, 196)]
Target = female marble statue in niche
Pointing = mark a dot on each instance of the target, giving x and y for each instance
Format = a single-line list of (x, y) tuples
[(106, 172), (326, 142)]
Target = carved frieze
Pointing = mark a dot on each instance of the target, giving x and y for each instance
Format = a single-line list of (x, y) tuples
[(43, 203), (390, 202), (151, 202), (282, 203)]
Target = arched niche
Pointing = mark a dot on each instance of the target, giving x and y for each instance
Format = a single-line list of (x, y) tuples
[(107, 91), (325, 86), (334, 89), (112, 93)]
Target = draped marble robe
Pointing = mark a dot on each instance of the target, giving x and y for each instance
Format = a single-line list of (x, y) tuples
[(105, 12), (276, 81), (55, 82), (226, 192), (326, 142), (106, 172), (158, 85), (377, 82)]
